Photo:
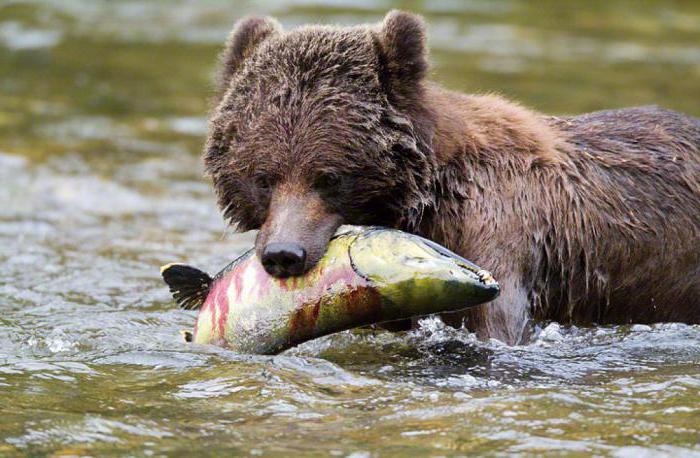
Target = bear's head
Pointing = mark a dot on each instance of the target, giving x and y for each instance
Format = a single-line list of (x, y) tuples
[(318, 127)]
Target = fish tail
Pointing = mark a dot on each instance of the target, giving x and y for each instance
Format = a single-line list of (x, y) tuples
[(190, 286)]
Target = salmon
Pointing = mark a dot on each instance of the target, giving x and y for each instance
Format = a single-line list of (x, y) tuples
[(369, 275)]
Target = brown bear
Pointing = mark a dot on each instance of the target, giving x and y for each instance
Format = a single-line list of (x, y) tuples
[(584, 219)]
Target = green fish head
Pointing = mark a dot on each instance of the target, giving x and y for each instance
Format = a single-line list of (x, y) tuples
[(410, 269)]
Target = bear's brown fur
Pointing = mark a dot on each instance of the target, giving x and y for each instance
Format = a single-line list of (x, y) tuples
[(587, 219)]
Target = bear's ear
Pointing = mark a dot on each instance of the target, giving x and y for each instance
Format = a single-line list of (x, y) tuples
[(247, 35), (403, 52)]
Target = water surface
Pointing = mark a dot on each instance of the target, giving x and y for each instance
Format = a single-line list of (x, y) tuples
[(102, 117)]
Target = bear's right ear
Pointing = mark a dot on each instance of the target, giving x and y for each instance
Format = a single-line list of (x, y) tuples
[(403, 52), (247, 35)]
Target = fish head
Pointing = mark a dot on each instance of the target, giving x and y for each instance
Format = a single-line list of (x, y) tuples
[(409, 268)]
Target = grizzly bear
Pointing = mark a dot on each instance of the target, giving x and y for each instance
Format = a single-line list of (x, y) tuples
[(582, 219)]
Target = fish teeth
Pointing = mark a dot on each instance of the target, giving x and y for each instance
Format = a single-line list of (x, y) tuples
[(486, 277)]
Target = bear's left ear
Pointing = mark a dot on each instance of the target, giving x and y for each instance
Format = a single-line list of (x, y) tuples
[(246, 36), (403, 53)]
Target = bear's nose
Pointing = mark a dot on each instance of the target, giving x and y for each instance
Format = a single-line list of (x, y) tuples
[(284, 259)]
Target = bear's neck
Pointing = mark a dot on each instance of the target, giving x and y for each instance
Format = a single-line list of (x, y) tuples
[(488, 127), (490, 156), (488, 153)]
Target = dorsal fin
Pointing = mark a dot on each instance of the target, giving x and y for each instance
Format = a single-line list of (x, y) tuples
[(190, 286)]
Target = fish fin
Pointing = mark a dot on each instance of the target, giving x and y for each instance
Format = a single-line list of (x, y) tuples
[(190, 286)]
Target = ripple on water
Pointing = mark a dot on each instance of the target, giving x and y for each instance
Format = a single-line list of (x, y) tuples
[(95, 319)]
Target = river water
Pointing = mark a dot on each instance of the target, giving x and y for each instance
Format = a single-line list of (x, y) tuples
[(102, 118)]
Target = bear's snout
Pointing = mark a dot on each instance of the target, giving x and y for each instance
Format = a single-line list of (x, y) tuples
[(284, 259), (296, 231)]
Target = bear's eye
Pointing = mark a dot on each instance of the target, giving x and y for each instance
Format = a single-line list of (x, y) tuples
[(264, 182), (327, 181)]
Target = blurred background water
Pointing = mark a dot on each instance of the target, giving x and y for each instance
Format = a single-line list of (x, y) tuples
[(102, 118)]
